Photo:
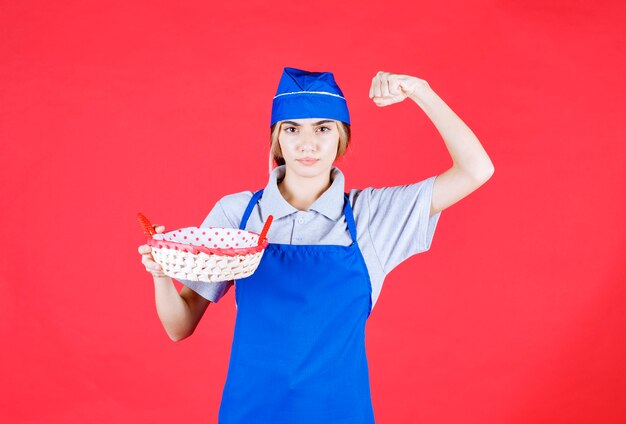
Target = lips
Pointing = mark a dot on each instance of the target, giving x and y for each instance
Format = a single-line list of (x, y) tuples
[(308, 161)]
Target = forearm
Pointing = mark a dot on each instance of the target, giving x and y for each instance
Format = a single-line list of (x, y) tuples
[(465, 150), (174, 312)]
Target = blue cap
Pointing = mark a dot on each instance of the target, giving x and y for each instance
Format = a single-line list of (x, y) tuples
[(304, 94)]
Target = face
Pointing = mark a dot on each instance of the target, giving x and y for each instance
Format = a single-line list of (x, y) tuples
[(309, 146)]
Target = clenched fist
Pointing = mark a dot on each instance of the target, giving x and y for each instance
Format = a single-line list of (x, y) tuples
[(388, 88)]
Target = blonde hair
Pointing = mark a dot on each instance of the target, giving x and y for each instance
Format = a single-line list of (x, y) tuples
[(277, 155)]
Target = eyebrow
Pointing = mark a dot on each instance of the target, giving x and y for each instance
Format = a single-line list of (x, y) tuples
[(295, 124)]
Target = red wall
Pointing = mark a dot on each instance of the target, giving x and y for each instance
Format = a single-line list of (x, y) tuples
[(515, 315)]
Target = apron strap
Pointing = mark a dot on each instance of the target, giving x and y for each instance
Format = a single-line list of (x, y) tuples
[(347, 211), (255, 198)]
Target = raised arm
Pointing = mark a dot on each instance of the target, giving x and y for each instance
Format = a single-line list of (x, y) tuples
[(471, 166)]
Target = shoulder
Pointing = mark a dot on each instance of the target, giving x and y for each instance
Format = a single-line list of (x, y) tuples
[(389, 193), (389, 200), (359, 201), (358, 195), (228, 211), (235, 201)]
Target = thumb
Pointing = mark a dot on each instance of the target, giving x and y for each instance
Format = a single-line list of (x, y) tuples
[(406, 88), (395, 86), (159, 228)]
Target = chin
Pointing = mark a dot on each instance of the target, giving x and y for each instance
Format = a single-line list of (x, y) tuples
[(310, 171)]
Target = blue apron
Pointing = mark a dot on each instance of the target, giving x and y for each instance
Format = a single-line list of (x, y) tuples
[(298, 353)]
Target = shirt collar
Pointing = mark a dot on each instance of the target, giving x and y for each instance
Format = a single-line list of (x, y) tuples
[(330, 203)]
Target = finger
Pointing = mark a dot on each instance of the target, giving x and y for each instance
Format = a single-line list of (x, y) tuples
[(394, 86), (159, 228), (381, 101), (156, 270), (144, 248), (384, 84), (152, 266), (377, 92), (373, 87), (156, 273), (148, 260), (381, 76)]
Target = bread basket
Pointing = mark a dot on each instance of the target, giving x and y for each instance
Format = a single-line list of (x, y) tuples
[(207, 254)]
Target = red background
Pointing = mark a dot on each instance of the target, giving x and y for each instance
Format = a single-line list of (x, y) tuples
[(516, 313)]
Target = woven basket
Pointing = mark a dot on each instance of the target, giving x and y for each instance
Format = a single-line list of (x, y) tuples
[(207, 254)]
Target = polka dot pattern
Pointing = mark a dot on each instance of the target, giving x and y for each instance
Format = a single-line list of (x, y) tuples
[(221, 254), (220, 238)]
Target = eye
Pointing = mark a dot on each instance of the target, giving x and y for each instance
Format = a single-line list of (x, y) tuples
[(288, 129), (326, 129)]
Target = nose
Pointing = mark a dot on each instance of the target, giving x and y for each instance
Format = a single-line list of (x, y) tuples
[(307, 143)]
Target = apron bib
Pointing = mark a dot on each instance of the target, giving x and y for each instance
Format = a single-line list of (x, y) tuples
[(298, 352)]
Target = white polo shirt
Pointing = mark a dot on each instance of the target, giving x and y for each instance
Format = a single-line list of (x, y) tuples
[(392, 223)]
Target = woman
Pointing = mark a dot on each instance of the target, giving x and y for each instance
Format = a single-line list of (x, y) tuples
[(298, 353)]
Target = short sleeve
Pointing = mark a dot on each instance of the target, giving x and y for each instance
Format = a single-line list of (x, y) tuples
[(399, 224), (216, 290)]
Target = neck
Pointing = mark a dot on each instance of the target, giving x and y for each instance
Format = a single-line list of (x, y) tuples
[(301, 192)]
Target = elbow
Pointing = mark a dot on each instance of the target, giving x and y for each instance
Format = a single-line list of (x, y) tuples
[(479, 174), (178, 336), (489, 172), (485, 174)]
